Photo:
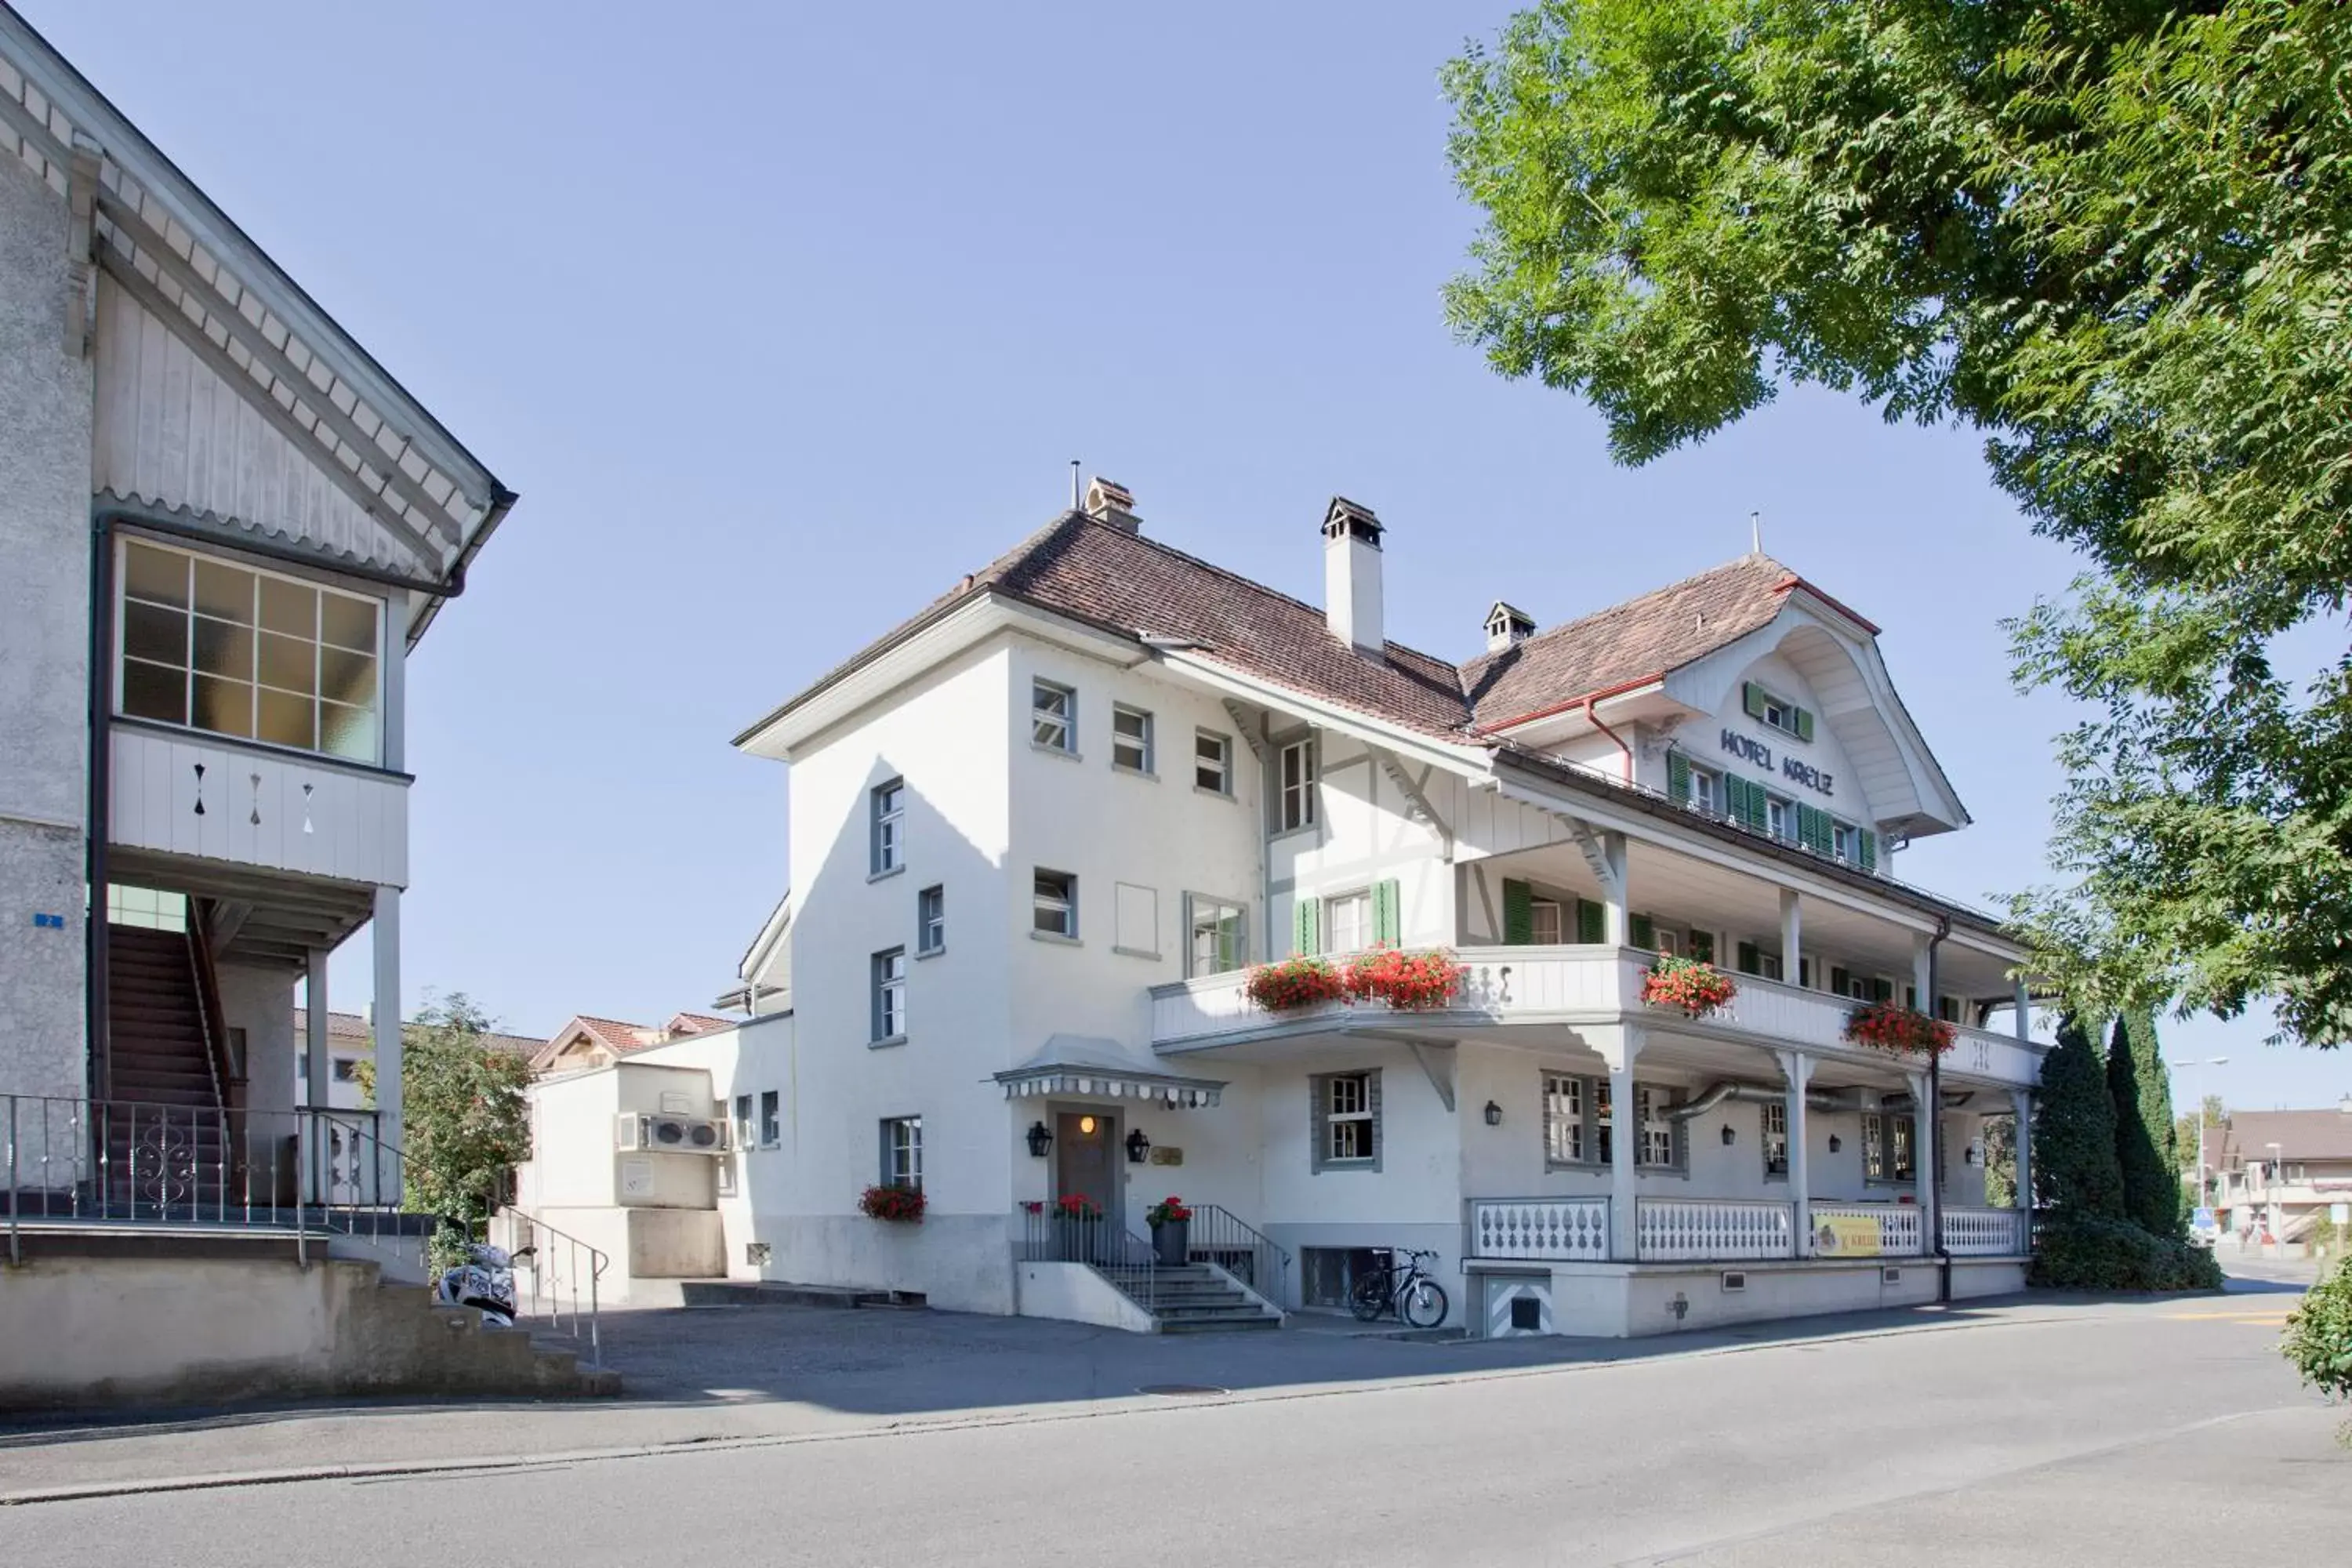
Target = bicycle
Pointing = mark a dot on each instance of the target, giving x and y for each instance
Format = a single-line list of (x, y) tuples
[(1405, 1289)]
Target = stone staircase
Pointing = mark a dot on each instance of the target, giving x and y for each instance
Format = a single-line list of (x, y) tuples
[(1193, 1300)]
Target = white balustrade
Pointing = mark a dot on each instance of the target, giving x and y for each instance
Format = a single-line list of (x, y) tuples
[(1902, 1231), (1564, 1230), (1985, 1233), (215, 797), (1712, 1229)]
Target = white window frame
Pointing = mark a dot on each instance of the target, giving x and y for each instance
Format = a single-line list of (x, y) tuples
[(1657, 1129), (1206, 915), (1845, 841), (1053, 716), (1332, 939), (902, 1152), (1781, 819), (888, 834), (747, 1125), (1130, 749), (1564, 1098), (1604, 1121), (255, 686), (1882, 1148), (1212, 770), (1295, 787), (772, 1118), (889, 995), (931, 921), (1705, 791), (1773, 1127), (1359, 1114), (1061, 900), (1543, 911)]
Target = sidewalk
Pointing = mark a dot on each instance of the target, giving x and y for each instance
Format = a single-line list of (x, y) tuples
[(776, 1374)]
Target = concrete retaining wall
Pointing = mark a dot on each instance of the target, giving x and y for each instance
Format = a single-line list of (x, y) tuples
[(1621, 1301), (77, 1331), (1076, 1294)]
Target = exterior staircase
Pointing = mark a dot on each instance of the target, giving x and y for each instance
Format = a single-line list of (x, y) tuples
[(163, 1118), (1193, 1300)]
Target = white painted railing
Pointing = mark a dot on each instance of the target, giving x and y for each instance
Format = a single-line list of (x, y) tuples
[(1711, 1229), (1902, 1232), (219, 799), (1502, 984), (1985, 1233), (1563, 1230)]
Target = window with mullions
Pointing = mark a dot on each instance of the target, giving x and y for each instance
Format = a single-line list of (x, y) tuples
[(1297, 786), (1130, 739), (1218, 931), (902, 1153), (1053, 716), (1564, 1102), (215, 646), (1055, 902), (1887, 1148), (1775, 1138), (1213, 761), (931, 921), (889, 831), (890, 994), (1350, 1118)]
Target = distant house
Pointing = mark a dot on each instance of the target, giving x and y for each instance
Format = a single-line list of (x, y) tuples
[(350, 1039), (590, 1042), (2284, 1170)]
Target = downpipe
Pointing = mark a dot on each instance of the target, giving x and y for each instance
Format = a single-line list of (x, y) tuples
[(1935, 1120)]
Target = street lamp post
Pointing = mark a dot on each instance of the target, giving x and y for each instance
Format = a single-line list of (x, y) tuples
[(2198, 1088)]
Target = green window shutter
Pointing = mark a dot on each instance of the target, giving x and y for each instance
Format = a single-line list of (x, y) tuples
[(1518, 913), (1592, 922), (1644, 932), (1735, 797), (1804, 717), (1882, 991), (1702, 946), (1747, 956), (1307, 927), (1810, 827), (1678, 778), (1838, 979), (1751, 696), (1386, 921), (1869, 848), (1756, 812)]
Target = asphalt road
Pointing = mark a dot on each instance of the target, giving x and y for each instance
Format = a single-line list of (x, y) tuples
[(2143, 1433)]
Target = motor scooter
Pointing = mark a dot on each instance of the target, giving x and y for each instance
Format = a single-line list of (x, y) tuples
[(485, 1281)]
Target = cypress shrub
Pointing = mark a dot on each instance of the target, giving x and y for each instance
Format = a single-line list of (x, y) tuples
[(2143, 1112), (2075, 1167)]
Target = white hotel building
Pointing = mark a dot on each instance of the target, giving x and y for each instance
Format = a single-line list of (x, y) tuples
[(1040, 831)]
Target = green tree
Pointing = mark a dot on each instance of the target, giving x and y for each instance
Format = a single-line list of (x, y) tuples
[(2116, 239), (464, 1123), (2074, 1167), (2151, 1182), (2185, 1144), (2001, 1161)]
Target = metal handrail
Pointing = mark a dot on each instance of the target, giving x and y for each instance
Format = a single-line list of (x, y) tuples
[(544, 1241), (1126, 1261), (1215, 1235), (211, 1019)]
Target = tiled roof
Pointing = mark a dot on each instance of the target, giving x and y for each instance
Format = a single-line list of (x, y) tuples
[(2300, 1135), (698, 1023), (354, 1028), (1103, 574), (1637, 640)]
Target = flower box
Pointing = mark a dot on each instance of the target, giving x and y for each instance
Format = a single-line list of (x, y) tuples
[(1295, 983), (1687, 985), (1408, 981), (1900, 1031), (893, 1203)]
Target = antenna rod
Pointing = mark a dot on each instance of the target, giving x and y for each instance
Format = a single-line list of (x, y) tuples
[(1077, 499)]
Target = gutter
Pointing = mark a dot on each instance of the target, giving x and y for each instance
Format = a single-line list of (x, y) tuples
[(1933, 1111), (1585, 702), (502, 501)]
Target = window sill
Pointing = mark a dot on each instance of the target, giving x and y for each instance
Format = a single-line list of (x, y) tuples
[(931, 953), (1144, 774), (1224, 794), (1063, 752), (897, 870), (1279, 834), (1136, 953), (1056, 938), (1338, 1167), (773, 1147), (1574, 1167), (885, 1043)]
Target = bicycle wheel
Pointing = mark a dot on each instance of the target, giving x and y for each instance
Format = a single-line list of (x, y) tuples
[(1423, 1304), (1368, 1297)]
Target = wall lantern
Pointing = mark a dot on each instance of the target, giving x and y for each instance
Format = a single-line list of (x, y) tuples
[(1834, 1145), (1139, 1147), (1728, 1135), (1040, 1140), (1968, 1156), (1494, 1114)]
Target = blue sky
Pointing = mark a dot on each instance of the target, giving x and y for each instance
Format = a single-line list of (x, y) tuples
[(782, 318)]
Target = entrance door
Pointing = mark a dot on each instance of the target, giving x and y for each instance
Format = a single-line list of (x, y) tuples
[(1083, 1144)]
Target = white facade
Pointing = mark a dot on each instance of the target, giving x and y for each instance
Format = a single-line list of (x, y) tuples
[(1001, 768)]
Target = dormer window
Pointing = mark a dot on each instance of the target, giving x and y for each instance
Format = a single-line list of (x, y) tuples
[(1776, 712), (1507, 625)]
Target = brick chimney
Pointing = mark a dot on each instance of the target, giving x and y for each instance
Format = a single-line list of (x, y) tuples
[(1351, 575), (1109, 501)]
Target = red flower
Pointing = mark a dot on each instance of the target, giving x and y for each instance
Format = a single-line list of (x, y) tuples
[(1686, 983), (1883, 1026), (1294, 983), (893, 1202), (1405, 981)]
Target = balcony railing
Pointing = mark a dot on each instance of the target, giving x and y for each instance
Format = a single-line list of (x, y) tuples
[(1985, 1233), (215, 797), (1552, 984), (1902, 1232), (1671, 1230), (1558, 1230)]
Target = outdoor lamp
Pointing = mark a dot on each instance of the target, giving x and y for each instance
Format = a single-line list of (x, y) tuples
[(1494, 1114), (1729, 1136), (1040, 1139), (1139, 1147), (1834, 1144)]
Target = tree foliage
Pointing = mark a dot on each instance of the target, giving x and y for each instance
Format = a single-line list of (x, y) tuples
[(2001, 1161), (2318, 1338), (2143, 1107), (2184, 1136), (464, 1121), (2074, 1159), (2114, 238)]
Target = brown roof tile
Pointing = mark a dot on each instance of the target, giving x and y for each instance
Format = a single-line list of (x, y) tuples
[(2300, 1135)]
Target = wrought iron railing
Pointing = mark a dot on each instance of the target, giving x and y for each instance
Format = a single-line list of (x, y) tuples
[(1124, 1259), (1713, 1229), (554, 1267), (1215, 1235), (1562, 1230)]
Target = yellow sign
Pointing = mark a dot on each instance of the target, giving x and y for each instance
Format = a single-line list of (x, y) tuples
[(1845, 1236)]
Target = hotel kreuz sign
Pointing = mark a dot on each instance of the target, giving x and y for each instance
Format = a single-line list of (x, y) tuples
[(1750, 749)]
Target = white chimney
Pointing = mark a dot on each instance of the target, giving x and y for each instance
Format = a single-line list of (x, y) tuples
[(1506, 626), (1351, 575), (1109, 501)]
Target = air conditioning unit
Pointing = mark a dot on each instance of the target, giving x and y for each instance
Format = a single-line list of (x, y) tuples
[(638, 1134)]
